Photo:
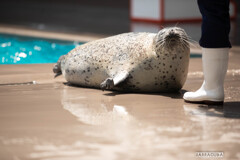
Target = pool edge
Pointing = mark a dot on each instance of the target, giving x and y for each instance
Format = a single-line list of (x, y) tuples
[(29, 32)]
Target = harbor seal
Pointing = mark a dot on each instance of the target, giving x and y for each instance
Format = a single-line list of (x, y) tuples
[(131, 62)]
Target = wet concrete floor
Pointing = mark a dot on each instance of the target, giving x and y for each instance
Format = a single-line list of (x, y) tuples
[(48, 120)]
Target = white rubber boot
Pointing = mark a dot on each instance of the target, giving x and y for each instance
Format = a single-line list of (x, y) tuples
[(215, 64)]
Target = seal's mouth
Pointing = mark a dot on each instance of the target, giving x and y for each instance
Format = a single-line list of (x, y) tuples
[(172, 38)]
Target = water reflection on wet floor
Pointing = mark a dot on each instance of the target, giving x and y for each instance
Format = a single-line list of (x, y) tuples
[(55, 121)]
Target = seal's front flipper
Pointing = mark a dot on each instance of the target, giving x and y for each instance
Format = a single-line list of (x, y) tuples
[(109, 83), (120, 77)]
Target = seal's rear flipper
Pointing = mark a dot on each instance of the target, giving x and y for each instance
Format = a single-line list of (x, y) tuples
[(57, 67), (57, 70), (58, 74), (109, 83)]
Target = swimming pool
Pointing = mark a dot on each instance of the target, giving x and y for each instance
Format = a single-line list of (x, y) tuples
[(29, 50)]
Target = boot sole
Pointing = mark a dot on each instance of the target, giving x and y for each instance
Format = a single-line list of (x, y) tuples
[(206, 102)]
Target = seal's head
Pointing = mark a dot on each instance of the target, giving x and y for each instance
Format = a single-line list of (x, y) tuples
[(170, 38)]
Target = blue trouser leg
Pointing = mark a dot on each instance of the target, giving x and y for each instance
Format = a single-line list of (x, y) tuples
[(215, 23)]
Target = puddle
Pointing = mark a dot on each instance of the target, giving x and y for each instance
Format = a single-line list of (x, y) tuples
[(22, 83)]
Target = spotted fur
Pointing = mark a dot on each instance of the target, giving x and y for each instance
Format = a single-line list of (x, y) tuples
[(143, 62)]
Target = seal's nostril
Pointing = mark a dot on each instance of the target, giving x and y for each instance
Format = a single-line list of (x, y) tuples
[(171, 35), (171, 32)]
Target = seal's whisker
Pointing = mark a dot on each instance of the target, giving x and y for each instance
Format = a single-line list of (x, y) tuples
[(161, 43), (162, 27), (194, 44), (185, 45), (191, 41), (176, 24), (183, 39), (186, 40)]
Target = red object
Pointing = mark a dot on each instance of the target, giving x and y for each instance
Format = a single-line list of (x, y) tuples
[(164, 20)]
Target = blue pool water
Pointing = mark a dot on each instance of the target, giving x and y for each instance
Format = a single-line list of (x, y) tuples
[(25, 50)]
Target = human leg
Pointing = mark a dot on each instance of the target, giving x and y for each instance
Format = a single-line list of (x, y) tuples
[(215, 46)]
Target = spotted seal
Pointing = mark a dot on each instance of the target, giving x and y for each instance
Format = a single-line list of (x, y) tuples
[(132, 62)]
